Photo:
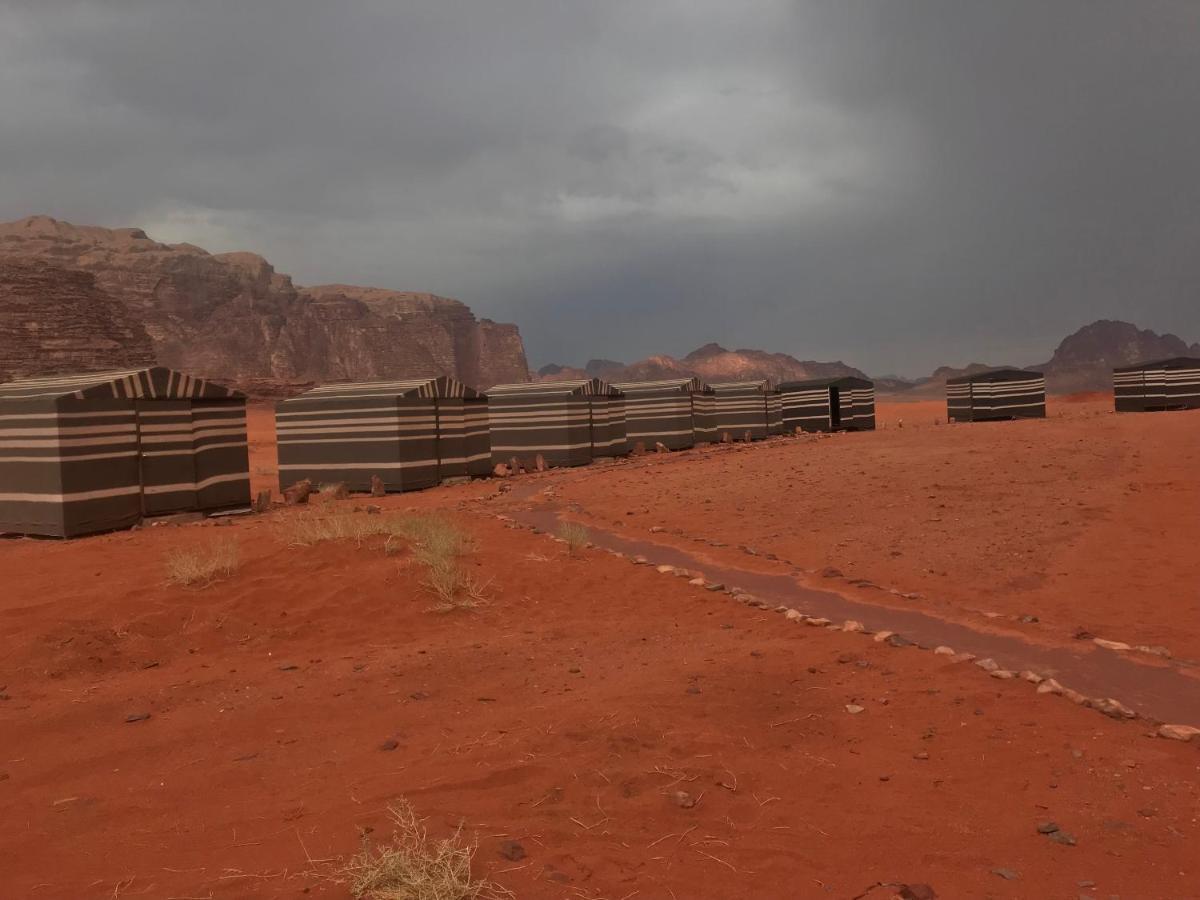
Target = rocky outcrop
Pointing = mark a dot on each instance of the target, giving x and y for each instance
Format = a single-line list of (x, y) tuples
[(57, 320), (231, 316)]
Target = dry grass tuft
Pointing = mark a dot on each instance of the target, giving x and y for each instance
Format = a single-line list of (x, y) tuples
[(576, 536), (416, 867), (439, 545), (201, 566), (314, 526)]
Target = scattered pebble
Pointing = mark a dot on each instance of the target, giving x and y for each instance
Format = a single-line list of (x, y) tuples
[(854, 709), (683, 799), (137, 717), (512, 850), (389, 744), (1006, 874), (1178, 732)]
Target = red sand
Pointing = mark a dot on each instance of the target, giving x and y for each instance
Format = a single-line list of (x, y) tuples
[(566, 712)]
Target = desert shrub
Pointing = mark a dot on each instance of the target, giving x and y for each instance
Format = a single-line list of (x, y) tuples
[(314, 526), (576, 536), (414, 866), (199, 566), (439, 545)]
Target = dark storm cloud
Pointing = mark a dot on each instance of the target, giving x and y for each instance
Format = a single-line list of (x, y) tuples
[(899, 184)]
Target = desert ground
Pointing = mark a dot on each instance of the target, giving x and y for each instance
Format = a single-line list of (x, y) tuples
[(604, 729)]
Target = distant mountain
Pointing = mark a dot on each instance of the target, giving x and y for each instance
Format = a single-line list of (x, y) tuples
[(711, 363), (1084, 361)]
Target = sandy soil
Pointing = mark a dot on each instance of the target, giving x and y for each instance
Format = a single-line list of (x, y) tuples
[(567, 712)]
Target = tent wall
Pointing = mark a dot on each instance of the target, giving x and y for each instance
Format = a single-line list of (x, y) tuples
[(1170, 384), (1006, 395), (742, 409), (84, 454), (704, 417), (405, 433), (810, 405), (477, 446), (676, 414), (609, 436), (556, 426), (774, 413)]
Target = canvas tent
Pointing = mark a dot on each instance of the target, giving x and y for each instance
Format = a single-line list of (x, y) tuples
[(829, 404), (95, 452), (743, 407), (567, 423), (1158, 385), (996, 394), (412, 434), (676, 412)]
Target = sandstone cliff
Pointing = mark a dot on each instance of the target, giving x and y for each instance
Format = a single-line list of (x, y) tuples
[(229, 316)]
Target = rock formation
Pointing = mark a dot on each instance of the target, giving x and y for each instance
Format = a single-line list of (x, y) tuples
[(1084, 360), (229, 316)]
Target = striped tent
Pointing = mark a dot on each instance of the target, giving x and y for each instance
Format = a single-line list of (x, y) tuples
[(86, 453), (677, 412), (996, 394), (829, 404), (1158, 385), (412, 434), (567, 423), (748, 406)]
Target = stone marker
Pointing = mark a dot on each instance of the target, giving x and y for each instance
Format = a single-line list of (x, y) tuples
[(378, 489)]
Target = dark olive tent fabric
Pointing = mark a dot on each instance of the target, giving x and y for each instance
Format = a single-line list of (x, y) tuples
[(412, 434), (94, 452), (744, 408), (676, 412), (1158, 385), (829, 404), (567, 423), (996, 394)]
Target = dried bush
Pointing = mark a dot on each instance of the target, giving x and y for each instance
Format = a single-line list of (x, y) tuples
[(414, 866), (200, 566), (576, 536)]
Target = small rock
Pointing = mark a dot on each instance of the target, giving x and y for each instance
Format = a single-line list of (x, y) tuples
[(657, 529), (1032, 677), (988, 664), (854, 709), (1028, 620), (852, 626), (962, 657), (1114, 709), (1003, 674), (297, 494), (1178, 732), (831, 572), (1074, 696), (378, 489), (943, 650), (419, 695), (1085, 884), (921, 754), (917, 892), (881, 636), (819, 623), (262, 502), (373, 510), (898, 640), (512, 850), (288, 667), (1006, 874), (389, 744), (665, 570), (714, 586), (1062, 837), (1047, 828), (137, 717), (1082, 634), (683, 799), (500, 470), (698, 582), (794, 615), (1049, 686), (1111, 645)]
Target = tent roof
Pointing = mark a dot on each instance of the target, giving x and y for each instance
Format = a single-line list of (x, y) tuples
[(583, 387), (851, 380), (996, 375), (1175, 362), (691, 385), (757, 384), (155, 382), (441, 386)]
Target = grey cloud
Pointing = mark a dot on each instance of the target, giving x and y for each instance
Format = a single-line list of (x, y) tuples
[(896, 184)]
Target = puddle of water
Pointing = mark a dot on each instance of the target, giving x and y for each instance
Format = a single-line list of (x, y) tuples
[(1158, 692)]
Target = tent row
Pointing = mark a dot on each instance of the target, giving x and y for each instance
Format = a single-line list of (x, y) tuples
[(96, 452)]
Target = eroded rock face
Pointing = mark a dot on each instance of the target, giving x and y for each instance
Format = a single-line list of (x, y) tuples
[(229, 316)]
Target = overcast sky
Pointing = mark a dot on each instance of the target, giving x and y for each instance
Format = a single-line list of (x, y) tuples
[(897, 183)]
